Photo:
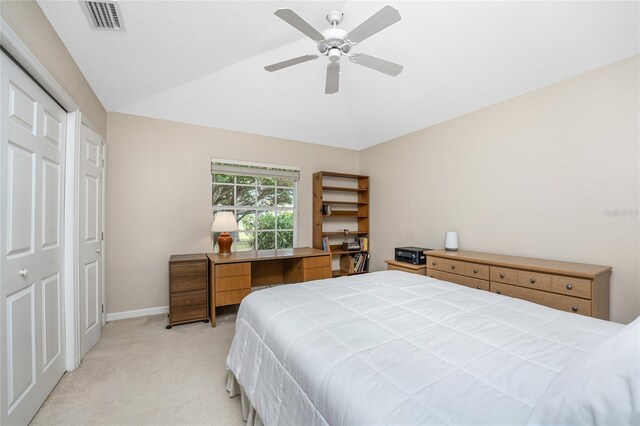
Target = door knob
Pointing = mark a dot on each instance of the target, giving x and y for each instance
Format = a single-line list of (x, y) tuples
[(23, 272), (98, 250)]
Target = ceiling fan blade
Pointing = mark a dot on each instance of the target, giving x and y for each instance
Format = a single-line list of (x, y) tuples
[(377, 22), (377, 64), (290, 62), (333, 78), (293, 19)]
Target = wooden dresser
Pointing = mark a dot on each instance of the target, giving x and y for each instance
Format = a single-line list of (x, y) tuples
[(572, 287), (188, 288)]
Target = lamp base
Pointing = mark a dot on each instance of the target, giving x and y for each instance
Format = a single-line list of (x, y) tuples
[(224, 243)]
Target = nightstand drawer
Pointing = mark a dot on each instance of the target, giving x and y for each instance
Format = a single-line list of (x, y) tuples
[(233, 269), (435, 263), (577, 287), (233, 283), (316, 262), (234, 297), (185, 276)]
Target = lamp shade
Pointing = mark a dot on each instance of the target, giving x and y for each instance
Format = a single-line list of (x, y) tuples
[(224, 222)]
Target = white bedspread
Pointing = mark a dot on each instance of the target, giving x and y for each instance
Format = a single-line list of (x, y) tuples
[(397, 348)]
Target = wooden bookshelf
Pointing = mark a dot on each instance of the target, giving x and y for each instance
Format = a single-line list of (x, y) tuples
[(349, 195)]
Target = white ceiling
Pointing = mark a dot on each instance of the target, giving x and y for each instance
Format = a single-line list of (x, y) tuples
[(202, 62)]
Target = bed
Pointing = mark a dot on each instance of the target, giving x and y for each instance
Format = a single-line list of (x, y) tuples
[(397, 348)]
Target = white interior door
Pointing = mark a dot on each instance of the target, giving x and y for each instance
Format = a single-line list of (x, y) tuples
[(90, 244), (32, 144)]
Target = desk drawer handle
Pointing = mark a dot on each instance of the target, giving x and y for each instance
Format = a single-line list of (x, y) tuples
[(532, 280), (475, 271), (501, 275), (574, 308), (453, 266), (569, 286)]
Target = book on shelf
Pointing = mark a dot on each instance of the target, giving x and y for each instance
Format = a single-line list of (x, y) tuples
[(325, 244)]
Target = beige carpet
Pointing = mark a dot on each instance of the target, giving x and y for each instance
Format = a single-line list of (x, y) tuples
[(140, 373)]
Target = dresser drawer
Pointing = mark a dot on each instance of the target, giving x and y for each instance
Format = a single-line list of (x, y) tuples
[(503, 275), (435, 263), (185, 276), (310, 274), (189, 298), (534, 280), (552, 300), (476, 270), (233, 283), (462, 280), (316, 262), (454, 266), (578, 287), (234, 297), (233, 269)]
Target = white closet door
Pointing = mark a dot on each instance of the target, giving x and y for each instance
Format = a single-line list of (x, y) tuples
[(32, 142), (90, 239)]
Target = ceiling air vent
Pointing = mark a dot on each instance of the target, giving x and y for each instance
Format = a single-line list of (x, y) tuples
[(103, 14)]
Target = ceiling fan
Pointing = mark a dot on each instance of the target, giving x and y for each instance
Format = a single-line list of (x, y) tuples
[(335, 42)]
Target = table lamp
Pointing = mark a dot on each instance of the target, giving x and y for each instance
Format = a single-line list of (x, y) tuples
[(224, 222)]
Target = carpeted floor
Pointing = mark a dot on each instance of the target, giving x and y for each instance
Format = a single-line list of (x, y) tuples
[(140, 373)]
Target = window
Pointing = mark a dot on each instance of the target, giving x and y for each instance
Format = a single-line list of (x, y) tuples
[(263, 198)]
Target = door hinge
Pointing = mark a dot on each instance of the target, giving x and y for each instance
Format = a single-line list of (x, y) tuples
[(102, 235), (103, 308)]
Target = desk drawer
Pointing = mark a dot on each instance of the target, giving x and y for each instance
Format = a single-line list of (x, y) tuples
[(233, 269), (316, 262), (577, 287), (189, 298), (552, 300), (234, 297), (310, 274), (233, 283), (435, 263), (186, 276)]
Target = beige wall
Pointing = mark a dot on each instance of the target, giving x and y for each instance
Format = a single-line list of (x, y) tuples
[(535, 176), (30, 24), (158, 196)]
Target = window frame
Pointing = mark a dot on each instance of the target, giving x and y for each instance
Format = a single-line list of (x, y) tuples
[(251, 171)]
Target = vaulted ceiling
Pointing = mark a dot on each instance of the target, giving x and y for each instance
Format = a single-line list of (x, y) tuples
[(202, 62)]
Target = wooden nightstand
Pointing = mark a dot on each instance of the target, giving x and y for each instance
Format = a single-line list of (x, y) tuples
[(188, 289), (394, 265)]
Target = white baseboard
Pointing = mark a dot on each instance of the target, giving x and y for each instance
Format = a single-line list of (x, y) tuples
[(137, 313)]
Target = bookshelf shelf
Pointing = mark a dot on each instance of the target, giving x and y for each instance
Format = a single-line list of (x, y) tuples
[(349, 194)]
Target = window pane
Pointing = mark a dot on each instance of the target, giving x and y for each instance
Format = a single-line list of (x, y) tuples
[(285, 239), (266, 197), (222, 178), (245, 179), (245, 196), (246, 241), (222, 195), (266, 181), (266, 220), (285, 182), (285, 197), (246, 219), (285, 220), (266, 240)]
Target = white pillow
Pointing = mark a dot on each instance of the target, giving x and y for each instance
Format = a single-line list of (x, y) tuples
[(600, 386)]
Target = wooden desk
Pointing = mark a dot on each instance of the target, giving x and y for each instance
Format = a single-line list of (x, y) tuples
[(232, 276)]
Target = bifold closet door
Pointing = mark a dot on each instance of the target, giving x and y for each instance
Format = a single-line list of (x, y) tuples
[(90, 239), (33, 131)]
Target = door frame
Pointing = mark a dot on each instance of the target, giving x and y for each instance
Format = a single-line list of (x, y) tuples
[(15, 47)]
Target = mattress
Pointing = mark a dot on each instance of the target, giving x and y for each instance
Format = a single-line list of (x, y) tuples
[(397, 348)]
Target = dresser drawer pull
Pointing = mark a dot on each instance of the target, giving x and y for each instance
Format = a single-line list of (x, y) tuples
[(501, 275), (433, 263), (532, 280), (475, 271), (478, 287), (574, 308), (498, 292), (569, 286), (453, 266)]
